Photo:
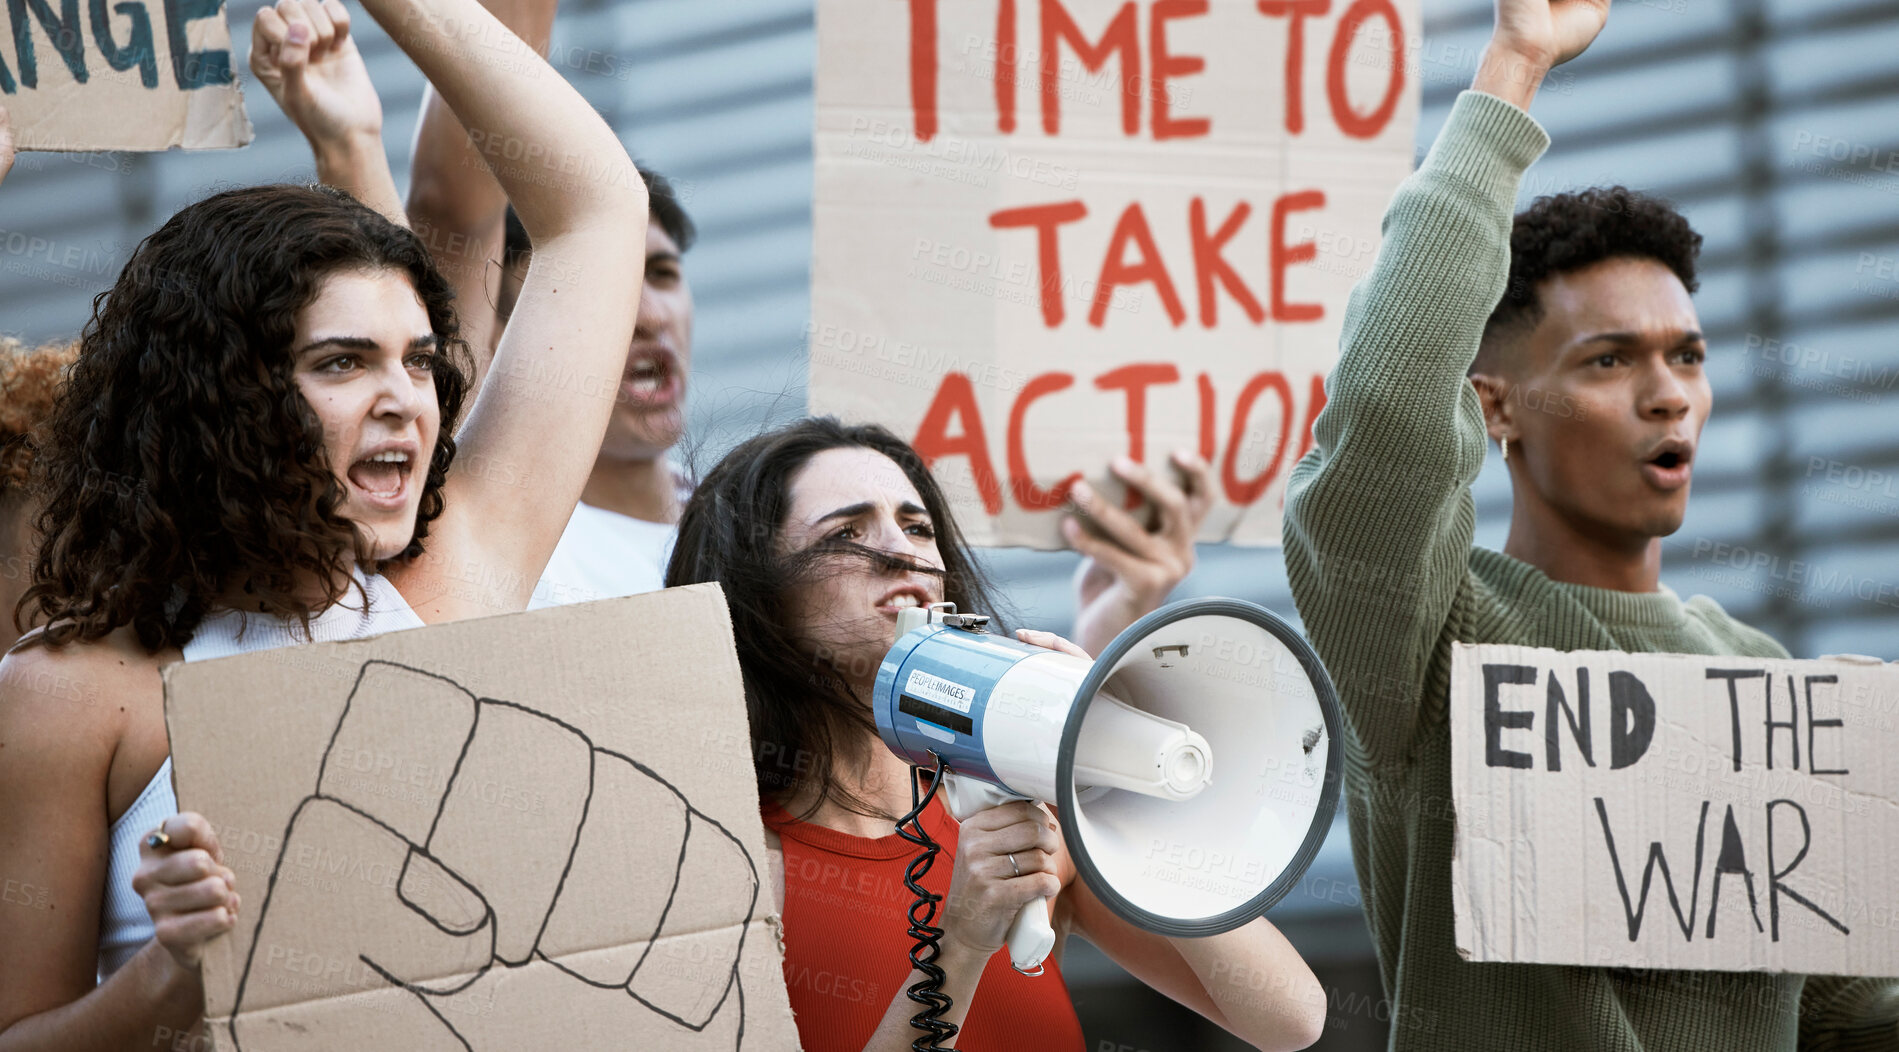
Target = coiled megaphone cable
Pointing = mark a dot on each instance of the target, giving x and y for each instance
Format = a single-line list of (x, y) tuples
[(927, 991)]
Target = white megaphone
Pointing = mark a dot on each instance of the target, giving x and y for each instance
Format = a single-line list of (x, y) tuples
[(1193, 764)]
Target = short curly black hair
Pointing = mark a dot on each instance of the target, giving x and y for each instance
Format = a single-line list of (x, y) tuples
[(1563, 233), (664, 208)]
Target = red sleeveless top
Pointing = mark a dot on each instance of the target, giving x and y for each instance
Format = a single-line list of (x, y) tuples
[(847, 954)]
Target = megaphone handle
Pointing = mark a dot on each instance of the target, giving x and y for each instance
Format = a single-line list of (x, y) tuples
[(1031, 937)]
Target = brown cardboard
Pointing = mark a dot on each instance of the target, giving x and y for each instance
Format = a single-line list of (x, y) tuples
[(920, 301), (1535, 879), (161, 76), (544, 826)]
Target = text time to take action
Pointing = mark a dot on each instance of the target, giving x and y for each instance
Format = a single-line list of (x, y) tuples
[(1052, 232)]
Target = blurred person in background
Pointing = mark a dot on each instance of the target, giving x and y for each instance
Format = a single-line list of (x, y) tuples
[(618, 539), (30, 379), (820, 533), (29, 383), (1569, 335)]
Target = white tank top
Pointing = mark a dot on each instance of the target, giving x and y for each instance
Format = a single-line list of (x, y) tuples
[(124, 925)]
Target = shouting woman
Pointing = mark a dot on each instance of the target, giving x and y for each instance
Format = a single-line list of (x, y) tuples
[(819, 534), (256, 448)]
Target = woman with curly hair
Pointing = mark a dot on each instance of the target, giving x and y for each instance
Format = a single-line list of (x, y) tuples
[(30, 378), (254, 449), (820, 533)]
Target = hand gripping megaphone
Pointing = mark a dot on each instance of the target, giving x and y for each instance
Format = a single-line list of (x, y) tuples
[(1194, 765)]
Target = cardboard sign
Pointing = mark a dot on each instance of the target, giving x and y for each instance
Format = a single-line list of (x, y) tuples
[(1668, 811), (1051, 232), (531, 831), (129, 75)]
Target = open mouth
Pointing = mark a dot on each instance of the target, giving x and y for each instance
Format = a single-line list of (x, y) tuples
[(650, 381), (382, 478), (1669, 468), (902, 599)]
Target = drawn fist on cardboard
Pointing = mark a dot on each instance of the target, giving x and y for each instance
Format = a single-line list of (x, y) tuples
[(495, 838)]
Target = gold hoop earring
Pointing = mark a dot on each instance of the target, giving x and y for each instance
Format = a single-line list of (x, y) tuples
[(1506, 448)]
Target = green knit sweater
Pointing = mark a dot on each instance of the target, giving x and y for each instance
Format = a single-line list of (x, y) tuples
[(1379, 525)]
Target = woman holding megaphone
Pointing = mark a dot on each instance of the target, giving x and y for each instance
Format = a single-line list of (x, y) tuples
[(254, 449), (820, 534)]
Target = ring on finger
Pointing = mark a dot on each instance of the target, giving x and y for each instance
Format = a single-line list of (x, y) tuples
[(158, 838), (1012, 865)]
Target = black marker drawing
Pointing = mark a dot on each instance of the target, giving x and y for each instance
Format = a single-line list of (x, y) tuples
[(464, 837)]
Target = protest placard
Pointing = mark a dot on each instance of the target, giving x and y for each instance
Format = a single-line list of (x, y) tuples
[(134, 75), (1050, 232), (1671, 811), (531, 831)]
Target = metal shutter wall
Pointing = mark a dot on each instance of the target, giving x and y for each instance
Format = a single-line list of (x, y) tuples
[(1734, 109), (1768, 121)]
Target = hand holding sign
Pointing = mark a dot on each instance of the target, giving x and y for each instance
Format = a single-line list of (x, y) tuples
[(189, 891), (1131, 566)]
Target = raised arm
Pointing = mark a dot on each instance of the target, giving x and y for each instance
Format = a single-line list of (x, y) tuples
[(1379, 519), (456, 204), (303, 54), (535, 429)]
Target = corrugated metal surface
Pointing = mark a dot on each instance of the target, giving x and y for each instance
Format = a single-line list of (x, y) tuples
[(1771, 122)]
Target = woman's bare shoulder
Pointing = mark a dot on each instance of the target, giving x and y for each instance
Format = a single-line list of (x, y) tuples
[(81, 692)]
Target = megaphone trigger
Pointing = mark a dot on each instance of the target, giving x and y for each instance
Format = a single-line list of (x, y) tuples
[(1031, 937)]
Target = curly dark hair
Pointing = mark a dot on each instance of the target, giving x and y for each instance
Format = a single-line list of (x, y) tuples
[(181, 463), (1563, 233), (803, 712)]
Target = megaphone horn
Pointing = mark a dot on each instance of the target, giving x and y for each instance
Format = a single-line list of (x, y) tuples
[(1166, 837)]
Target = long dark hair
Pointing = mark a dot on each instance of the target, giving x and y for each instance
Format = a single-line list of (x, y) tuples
[(804, 713), (181, 462)]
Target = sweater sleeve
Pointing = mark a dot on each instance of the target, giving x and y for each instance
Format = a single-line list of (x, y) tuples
[(1379, 517), (1845, 1014)]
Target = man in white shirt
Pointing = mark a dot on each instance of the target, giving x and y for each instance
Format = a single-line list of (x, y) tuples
[(620, 536)]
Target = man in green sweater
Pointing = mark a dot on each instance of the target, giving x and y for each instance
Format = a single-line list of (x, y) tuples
[(1589, 374)]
